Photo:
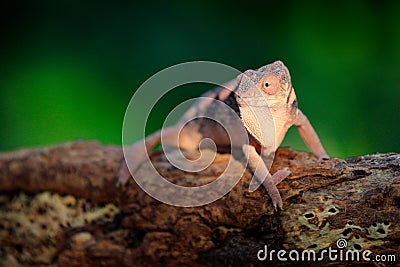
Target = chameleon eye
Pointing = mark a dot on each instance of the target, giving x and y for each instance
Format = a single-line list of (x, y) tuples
[(266, 84)]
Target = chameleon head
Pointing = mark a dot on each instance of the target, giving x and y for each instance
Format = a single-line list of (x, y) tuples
[(269, 83), (265, 98)]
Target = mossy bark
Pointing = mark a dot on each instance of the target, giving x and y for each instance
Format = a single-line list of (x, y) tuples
[(61, 206)]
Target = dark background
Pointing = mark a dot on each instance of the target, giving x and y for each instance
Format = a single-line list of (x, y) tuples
[(69, 68)]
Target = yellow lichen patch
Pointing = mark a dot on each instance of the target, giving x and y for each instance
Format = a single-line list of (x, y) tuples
[(368, 237), (357, 242), (82, 239), (378, 230), (315, 219), (310, 229), (221, 232), (29, 225)]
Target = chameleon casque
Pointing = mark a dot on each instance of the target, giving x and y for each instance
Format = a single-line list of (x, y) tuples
[(255, 93)]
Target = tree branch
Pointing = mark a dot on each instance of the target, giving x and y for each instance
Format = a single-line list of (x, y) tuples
[(60, 206)]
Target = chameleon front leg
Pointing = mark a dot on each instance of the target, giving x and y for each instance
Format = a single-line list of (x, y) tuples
[(309, 136), (261, 172)]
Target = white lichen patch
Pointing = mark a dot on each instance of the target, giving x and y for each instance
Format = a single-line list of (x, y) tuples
[(29, 225)]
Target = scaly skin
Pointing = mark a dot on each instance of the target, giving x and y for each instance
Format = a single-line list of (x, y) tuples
[(266, 103)]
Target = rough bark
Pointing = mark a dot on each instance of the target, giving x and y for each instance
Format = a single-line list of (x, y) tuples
[(60, 206)]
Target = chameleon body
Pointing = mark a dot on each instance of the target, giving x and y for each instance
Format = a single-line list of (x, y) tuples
[(257, 97)]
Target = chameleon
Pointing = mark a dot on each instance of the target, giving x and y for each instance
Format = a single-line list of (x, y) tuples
[(252, 95)]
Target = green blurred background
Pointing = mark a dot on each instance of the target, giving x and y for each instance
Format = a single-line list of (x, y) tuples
[(68, 69)]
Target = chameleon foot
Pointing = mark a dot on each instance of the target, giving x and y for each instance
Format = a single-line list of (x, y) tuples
[(136, 154), (323, 157), (123, 174), (270, 185)]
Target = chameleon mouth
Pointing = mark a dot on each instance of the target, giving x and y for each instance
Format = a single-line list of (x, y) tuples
[(252, 101), (259, 101)]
